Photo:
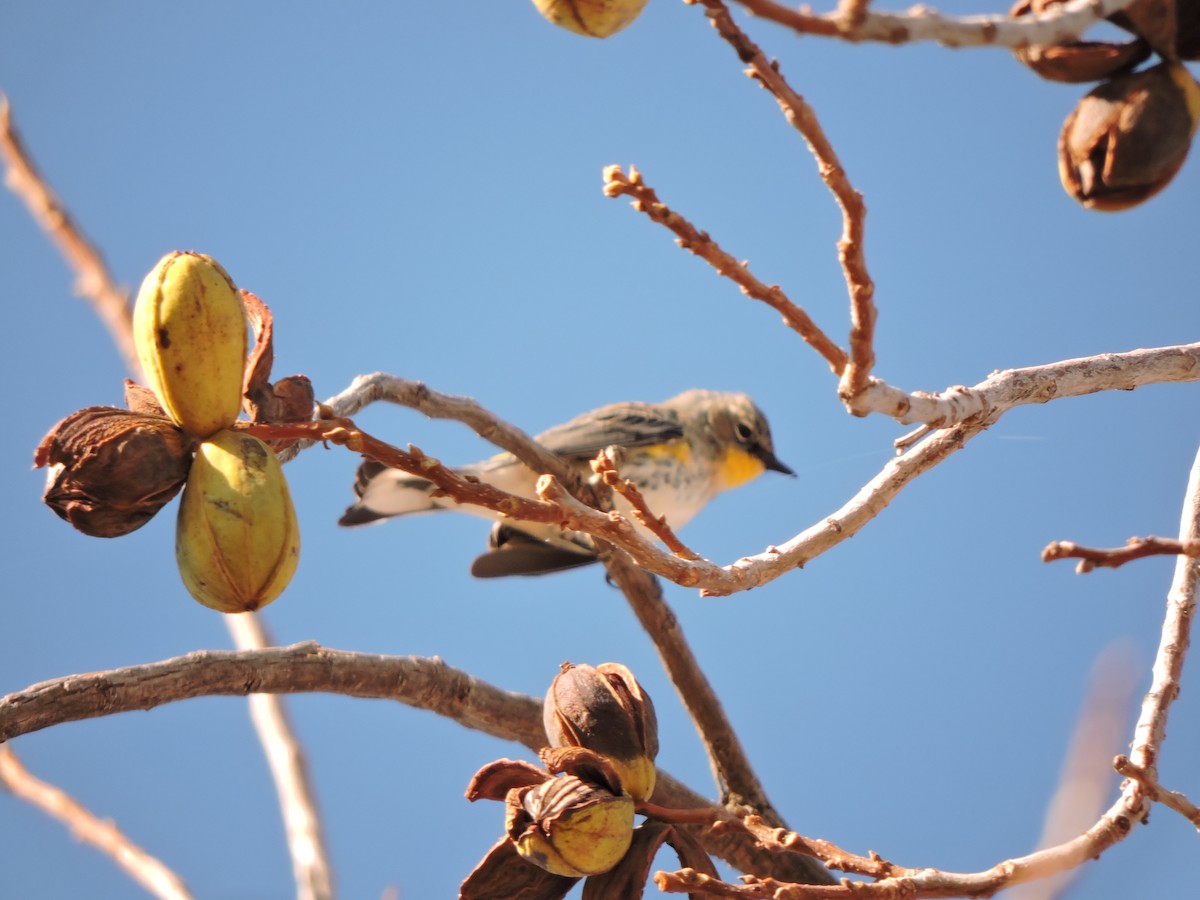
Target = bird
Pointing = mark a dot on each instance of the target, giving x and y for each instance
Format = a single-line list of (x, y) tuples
[(680, 453)]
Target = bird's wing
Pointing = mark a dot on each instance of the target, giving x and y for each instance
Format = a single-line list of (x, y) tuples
[(511, 551), (624, 425)]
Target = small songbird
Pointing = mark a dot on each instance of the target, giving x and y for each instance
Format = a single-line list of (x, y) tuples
[(680, 453)]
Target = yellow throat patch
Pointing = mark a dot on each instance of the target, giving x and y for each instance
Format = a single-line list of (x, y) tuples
[(738, 467)]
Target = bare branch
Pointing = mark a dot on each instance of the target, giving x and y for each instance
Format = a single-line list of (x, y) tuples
[(93, 281), (427, 684), (922, 23), (297, 797), (1135, 548), (1001, 391), (102, 834), (1155, 791), (368, 389), (645, 200), (801, 116)]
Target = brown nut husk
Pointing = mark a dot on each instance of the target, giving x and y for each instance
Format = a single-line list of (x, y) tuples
[(1126, 139), (236, 541), (605, 710), (591, 18), (111, 470), (1171, 27), (1076, 61), (570, 827), (189, 327)]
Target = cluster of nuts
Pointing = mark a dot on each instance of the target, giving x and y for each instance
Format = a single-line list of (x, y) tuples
[(573, 818), (110, 470), (1124, 141), (591, 18)]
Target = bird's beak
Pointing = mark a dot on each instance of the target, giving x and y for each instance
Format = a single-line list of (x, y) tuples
[(771, 461)]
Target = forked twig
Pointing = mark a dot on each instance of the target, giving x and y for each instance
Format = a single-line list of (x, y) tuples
[(604, 466), (1155, 791), (801, 116), (645, 200)]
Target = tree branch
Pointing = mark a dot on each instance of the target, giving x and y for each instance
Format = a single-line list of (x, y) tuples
[(1135, 548), (801, 116), (645, 200), (102, 834), (921, 24), (427, 684), (1155, 791)]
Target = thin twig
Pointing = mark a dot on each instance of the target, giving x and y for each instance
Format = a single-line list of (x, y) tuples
[(801, 116), (297, 797), (1056, 25), (645, 200), (604, 466), (427, 684), (102, 834), (93, 281), (1135, 548), (1155, 791)]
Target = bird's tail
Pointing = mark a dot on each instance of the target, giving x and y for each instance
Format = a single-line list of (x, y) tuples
[(383, 493)]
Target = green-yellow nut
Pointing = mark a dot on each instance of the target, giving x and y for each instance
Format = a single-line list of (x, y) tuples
[(591, 18), (637, 776), (586, 840), (236, 540), (189, 326)]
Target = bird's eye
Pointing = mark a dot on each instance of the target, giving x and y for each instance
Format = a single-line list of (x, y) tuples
[(743, 431)]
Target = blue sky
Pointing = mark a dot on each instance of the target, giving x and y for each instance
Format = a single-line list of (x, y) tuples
[(417, 191)]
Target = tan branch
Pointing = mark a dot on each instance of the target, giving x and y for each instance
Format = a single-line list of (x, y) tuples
[(1004, 390), (645, 200), (297, 797), (381, 387), (923, 24), (427, 684), (102, 834), (801, 116), (1155, 791), (93, 281), (1135, 548)]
